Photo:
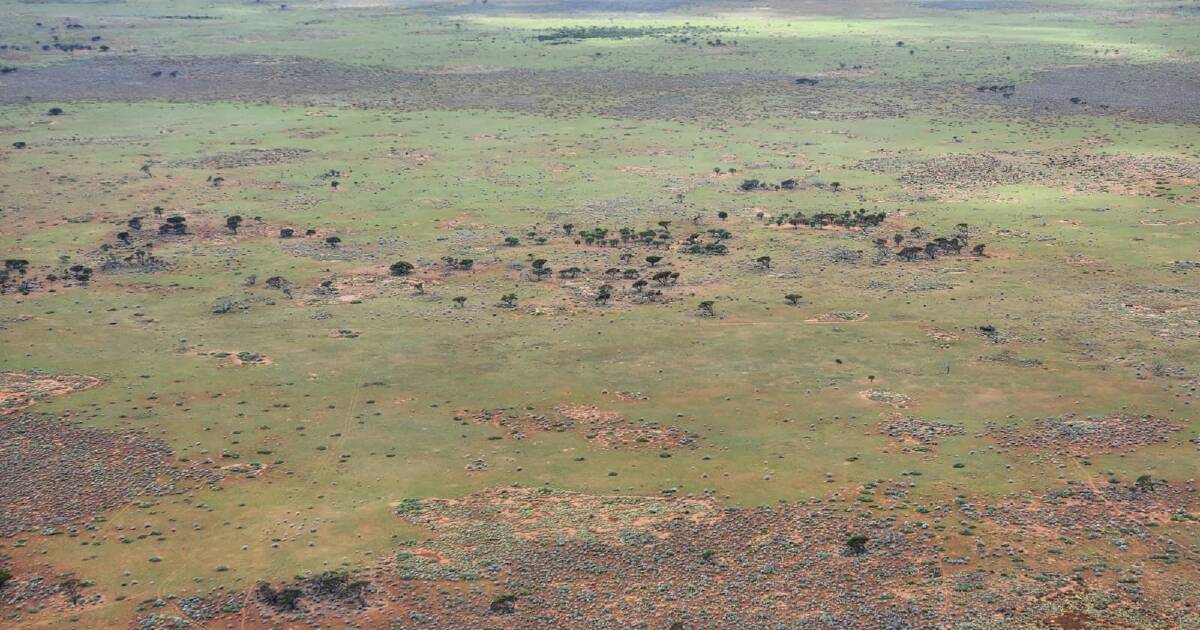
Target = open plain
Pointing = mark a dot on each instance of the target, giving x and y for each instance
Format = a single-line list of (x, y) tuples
[(600, 314)]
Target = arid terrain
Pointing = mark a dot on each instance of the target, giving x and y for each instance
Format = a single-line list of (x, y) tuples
[(600, 314)]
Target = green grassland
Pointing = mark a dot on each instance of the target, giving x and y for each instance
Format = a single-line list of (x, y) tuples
[(350, 426)]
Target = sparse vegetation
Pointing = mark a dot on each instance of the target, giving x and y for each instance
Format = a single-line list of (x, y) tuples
[(549, 314)]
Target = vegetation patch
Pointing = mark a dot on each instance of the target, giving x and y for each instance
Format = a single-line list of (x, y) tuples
[(608, 429), (63, 473), (1085, 435), (919, 430)]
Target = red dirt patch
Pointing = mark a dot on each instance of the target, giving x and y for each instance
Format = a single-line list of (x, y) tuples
[(20, 389)]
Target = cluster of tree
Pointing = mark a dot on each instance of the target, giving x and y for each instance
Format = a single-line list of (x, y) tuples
[(858, 219), (401, 268), (15, 268), (513, 241), (715, 247), (1146, 483), (665, 278), (338, 585), (605, 237), (140, 260), (279, 283), (539, 270), (749, 185), (12, 277), (72, 590), (628, 274), (463, 264), (286, 599), (504, 605), (939, 246), (600, 236), (174, 225), (856, 545), (603, 294), (288, 232), (79, 273)]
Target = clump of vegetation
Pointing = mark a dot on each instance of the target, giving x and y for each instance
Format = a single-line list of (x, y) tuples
[(858, 219), (286, 599), (856, 545), (338, 585), (173, 226), (504, 605), (463, 264)]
